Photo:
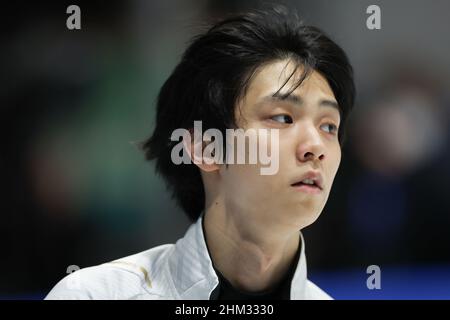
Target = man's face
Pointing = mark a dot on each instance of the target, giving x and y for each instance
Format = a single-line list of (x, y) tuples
[(308, 122)]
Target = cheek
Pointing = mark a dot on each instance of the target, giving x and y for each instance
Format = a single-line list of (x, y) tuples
[(335, 160), (241, 178)]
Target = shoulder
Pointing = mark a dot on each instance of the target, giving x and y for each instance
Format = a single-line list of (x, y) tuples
[(131, 277), (313, 292)]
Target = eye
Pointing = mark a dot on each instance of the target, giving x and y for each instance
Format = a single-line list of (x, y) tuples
[(331, 128), (284, 118)]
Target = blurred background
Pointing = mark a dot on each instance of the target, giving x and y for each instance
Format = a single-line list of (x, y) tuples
[(76, 190)]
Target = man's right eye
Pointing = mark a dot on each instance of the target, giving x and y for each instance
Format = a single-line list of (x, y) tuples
[(284, 118)]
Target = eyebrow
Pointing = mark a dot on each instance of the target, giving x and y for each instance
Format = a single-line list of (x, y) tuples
[(297, 100)]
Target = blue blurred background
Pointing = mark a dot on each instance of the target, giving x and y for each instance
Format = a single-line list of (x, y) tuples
[(76, 190)]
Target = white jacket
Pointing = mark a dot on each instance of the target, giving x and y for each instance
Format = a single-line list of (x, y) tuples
[(172, 271)]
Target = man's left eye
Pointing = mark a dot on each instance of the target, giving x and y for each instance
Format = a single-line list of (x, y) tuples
[(284, 118), (331, 128)]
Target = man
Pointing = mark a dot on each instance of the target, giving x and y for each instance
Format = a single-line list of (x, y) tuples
[(260, 70)]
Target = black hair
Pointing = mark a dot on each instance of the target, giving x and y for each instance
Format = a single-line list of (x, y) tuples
[(215, 72)]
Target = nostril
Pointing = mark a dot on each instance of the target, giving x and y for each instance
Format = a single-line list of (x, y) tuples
[(308, 155), (311, 156)]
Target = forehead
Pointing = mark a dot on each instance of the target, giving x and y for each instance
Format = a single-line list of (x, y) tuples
[(269, 78)]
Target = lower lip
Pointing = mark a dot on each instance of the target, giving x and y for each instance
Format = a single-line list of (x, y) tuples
[(307, 189)]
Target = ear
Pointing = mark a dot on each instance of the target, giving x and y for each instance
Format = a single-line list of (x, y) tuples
[(196, 151)]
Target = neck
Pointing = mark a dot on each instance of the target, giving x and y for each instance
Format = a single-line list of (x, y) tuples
[(251, 257)]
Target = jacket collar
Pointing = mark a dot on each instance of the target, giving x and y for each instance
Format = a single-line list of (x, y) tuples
[(193, 273)]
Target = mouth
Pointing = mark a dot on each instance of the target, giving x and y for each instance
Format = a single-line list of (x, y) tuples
[(310, 183)]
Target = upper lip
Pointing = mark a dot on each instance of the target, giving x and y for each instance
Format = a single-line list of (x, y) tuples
[(314, 175)]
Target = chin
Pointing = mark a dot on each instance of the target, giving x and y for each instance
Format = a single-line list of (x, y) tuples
[(300, 218), (306, 217), (312, 219)]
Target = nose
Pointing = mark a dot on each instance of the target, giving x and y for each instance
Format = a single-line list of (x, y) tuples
[(310, 145)]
